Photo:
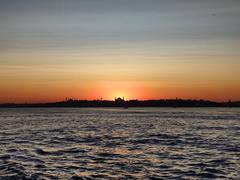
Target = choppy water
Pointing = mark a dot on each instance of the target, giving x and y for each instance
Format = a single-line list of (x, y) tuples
[(148, 143)]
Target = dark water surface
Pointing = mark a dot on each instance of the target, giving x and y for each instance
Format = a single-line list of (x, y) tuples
[(147, 143)]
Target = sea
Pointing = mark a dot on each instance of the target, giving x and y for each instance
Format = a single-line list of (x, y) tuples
[(117, 143)]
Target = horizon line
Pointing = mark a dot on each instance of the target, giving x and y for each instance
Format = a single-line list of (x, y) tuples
[(152, 99)]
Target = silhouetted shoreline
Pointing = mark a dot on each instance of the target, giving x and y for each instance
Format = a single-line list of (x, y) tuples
[(127, 104)]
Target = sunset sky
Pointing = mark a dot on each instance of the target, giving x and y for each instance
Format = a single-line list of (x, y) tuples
[(140, 49)]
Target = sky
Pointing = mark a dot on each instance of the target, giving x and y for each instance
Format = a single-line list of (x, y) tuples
[(139, 49)]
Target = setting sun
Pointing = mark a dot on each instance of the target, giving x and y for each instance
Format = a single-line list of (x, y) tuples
[(120, 95), (112, 90)]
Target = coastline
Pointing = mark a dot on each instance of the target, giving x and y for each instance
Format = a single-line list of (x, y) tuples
[(120, 103)]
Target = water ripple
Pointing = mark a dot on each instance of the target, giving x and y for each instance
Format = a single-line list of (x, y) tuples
[(150, 143)]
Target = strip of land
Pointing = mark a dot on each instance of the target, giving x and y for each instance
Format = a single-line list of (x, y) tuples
[(126, 104)]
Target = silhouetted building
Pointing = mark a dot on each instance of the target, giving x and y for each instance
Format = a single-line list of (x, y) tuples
[(119, 99), (120, 102)]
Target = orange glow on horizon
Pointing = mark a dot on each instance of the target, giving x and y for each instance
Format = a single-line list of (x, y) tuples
[(112, 90), (108, 90)]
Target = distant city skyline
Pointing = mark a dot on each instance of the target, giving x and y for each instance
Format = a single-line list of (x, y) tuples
[(139, 49)]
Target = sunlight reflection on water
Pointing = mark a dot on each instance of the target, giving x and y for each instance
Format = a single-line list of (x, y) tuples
[(109, 143)]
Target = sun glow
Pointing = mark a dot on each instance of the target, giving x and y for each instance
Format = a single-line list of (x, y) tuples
[(112, 90), (120, 94)]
